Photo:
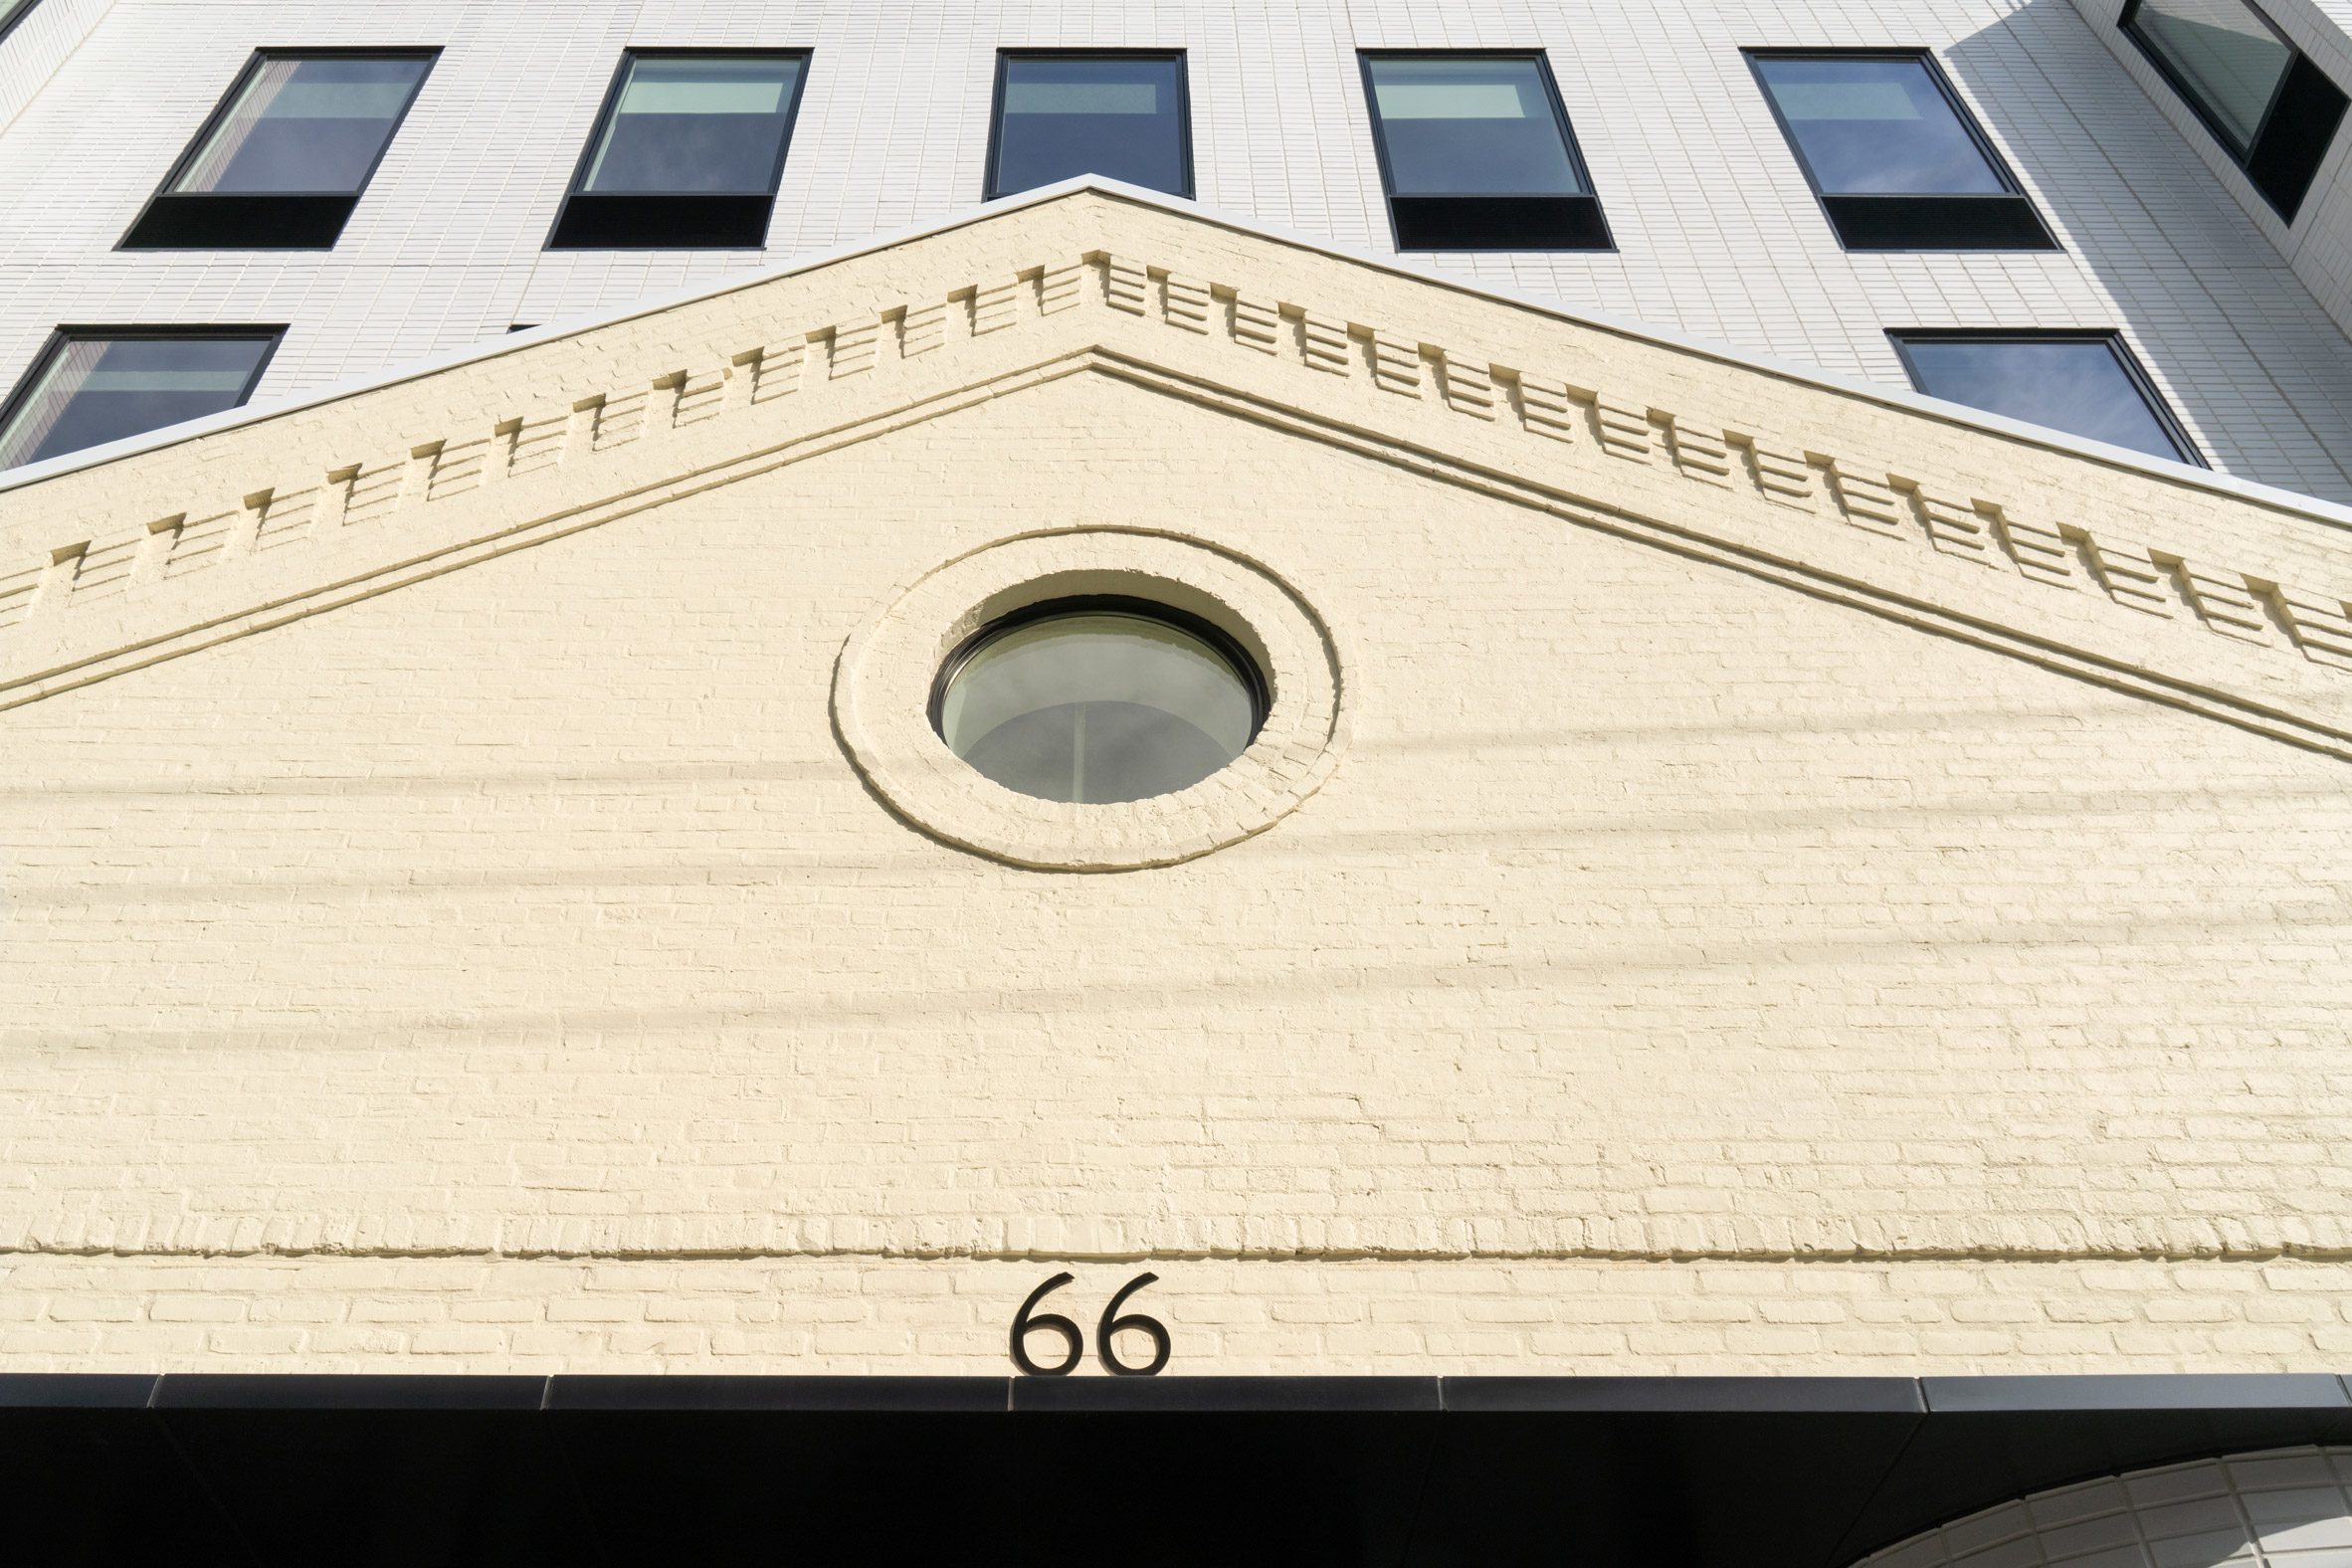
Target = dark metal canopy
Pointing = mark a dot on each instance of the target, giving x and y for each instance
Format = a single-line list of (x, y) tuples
[(307, 1472)]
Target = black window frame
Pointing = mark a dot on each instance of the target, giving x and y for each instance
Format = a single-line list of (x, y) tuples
[(2307, 109), (989, 187), (1410, 225), (2159, 407), (270, 337), (273, 220), (1925, 221), (653, 221), (9, 20)]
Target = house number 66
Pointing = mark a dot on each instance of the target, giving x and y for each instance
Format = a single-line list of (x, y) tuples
[(1028, 1322)]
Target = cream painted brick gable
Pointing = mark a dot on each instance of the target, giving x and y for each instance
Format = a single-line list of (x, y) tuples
[(1706, 954)]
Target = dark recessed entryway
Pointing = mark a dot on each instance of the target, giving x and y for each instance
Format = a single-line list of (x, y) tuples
[(1401, 1473)]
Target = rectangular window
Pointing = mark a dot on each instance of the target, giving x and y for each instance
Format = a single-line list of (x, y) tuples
[(2271, 108), (1059, 115), (686, 155), (1897, 161), (2084, 383), (94, 385), (284, 161), (1476, 155), (13, 12)]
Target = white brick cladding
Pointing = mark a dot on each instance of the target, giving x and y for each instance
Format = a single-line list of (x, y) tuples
[(851, 1314), (40, 44), (2319, 244), (1718, 234), (2281, 1508)]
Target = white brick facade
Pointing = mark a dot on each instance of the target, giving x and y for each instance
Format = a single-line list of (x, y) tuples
[(1718, 236)]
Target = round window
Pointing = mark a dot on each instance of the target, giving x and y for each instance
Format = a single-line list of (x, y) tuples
[(1098, 700)]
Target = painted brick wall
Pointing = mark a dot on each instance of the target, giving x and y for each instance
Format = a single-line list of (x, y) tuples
[(847, 1315), (1680, 972), (1718, 234)]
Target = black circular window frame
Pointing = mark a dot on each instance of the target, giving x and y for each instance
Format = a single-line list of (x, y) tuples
[(1243, 667)]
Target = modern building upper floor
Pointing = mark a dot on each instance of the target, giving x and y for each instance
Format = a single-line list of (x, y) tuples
[(2121, 218)]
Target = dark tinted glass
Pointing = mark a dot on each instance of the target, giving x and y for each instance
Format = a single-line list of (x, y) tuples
[(2080, 385), (1876, 127), (2272, 108), (1455, 125), (13, 12), (91, 390), (1119, 116), (696, 124), (307, 125), (2223, 54)]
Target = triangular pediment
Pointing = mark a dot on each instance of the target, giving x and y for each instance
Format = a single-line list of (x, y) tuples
[(2188, 589)]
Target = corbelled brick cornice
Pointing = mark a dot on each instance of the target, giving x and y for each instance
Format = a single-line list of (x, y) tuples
[(2193, 592)]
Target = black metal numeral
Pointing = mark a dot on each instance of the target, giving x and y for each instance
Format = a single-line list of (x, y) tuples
[(1111, 1323), (1028, 1320), (1023, 1325)]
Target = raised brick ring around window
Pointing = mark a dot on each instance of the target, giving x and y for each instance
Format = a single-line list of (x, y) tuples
[(883, 686)]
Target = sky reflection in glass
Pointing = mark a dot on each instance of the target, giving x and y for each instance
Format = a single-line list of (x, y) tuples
[(695, 126), (1875, 127), (312, 126), (1117, 115), (2079, 385), (1471, 127), (94, 389)]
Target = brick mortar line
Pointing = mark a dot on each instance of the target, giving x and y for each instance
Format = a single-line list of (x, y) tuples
[(2284, 1253)]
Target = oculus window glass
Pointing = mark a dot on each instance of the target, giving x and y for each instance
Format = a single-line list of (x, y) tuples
[(686, 153), (13, 12), (284, 158), (1478, 155), (93, 385), (2084, 383), (1897, 161), (1096, 700), (2268, 106), (1059, 115)]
